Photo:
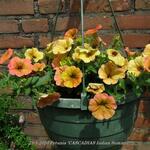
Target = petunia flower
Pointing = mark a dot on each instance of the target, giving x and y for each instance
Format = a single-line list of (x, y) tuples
[(147, 63), (68, 76), (6, 56), (146, 51), (136, 66), (56, 61), (71, 33), (102, 106), (116, 57), (61, 46), (34, 54), (95, 88), (20, 67), (57, 76), (38, 67), (48, 99), (111, 73), (129, 52), (72, 77), (86, 54), (93, 31)]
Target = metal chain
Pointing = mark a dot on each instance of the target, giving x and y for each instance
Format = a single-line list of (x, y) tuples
[(117, 25), (60, 6)]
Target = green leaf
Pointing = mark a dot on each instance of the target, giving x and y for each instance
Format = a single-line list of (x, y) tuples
[(122, 84), (27, 91), (34, 79), (44, 80), (147, 81), (28, 81)]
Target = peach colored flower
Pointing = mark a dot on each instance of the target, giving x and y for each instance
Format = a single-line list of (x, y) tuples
[(111, 73), (71, 33), (20, 67), (56, 61), (48, 99), (93, 31), (147, 63), (102, 106), (129, 52), (57, 76), (38, 67), (6, 56)]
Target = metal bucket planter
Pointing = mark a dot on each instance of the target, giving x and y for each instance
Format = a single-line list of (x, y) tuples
[(76, 129)]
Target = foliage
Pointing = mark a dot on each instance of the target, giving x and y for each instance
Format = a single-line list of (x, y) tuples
[(10, 130)]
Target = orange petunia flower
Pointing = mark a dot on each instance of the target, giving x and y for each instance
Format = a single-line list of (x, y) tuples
[(57, 77), (129, 52), (20, 67), (102, 106), (48, 99), (6, 56), (56, 61), (71, 33), (38, 67), (147, 63), (93, 31)]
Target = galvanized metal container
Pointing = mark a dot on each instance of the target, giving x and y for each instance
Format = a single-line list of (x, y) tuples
[(76, 129)]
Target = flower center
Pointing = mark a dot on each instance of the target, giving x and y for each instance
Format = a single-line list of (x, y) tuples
[(73, 75), (19, 66), (90, 54), (103, 103), (114, 53), (140, 68)]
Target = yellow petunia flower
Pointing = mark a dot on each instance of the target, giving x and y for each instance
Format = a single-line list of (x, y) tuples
[(136, 66), (60, 46), (86, 54), (116, 57), (146, 51), (95, 88), (34, 54), (111, 73), (72, 77)]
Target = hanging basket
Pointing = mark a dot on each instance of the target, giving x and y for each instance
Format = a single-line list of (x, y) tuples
[(76, 129), (69, 123)]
